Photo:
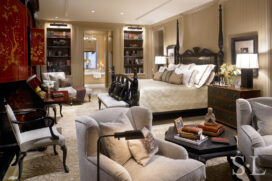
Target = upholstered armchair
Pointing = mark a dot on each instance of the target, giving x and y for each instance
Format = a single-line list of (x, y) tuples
[(33, 139), (170, 163), (254, 140)]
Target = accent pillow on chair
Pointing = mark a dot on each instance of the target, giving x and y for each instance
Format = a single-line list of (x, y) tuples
[(117, 149), (143, 149), (264, 118)]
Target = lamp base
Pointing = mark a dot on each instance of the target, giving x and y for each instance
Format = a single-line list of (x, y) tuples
[(247, 78)]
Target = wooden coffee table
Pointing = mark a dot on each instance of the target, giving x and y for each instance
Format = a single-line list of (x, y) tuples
[(208, 150), (50, 101)]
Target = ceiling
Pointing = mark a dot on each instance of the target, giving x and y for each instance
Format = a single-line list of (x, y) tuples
[(115, 11)]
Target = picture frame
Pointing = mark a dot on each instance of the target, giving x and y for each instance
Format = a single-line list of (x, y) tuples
[(171, 54), (178, 124), (244, 44)]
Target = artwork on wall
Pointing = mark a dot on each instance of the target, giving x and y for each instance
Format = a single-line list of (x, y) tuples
[(37, 46), (171, 54), (244, 44), (13, 45)]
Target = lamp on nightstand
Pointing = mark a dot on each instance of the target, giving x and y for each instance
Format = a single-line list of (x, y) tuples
[(160, 60), (247, 62)]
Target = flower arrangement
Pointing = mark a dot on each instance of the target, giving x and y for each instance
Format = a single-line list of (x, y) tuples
[(229, 71)]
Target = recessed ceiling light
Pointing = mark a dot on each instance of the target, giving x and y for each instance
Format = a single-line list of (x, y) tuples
[(93, 11), (122, 13)]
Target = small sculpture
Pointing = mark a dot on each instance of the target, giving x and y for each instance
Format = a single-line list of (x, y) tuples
[(210, 118)]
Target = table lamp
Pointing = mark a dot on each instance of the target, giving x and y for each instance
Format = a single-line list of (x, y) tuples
[(128, 135), (247, 62), (160, 60)]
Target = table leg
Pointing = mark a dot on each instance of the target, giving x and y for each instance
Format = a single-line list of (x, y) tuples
[(60, 105)]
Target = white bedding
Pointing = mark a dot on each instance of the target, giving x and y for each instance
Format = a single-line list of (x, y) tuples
[(160, 96)]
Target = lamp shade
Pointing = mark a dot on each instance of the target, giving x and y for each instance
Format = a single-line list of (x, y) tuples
[(247, 61), (160, 60)]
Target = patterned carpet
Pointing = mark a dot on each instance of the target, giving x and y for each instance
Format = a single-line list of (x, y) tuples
[(45, 166)]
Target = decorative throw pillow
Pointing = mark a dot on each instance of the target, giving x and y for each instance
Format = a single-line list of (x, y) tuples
[(171, 67), (143, 149), (264, 118), (176, 78), (64, 82), (167, 76), (158, 76), (164, 75), (184, 67), (117, 149), (201, 69), (205, 75), (210, 79)]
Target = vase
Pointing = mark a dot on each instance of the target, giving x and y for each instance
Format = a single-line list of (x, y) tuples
[(230, 81)]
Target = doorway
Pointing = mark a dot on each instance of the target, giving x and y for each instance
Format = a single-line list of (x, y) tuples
[(95, 60)]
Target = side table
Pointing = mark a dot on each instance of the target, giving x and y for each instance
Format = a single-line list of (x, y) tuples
[(223, 102)]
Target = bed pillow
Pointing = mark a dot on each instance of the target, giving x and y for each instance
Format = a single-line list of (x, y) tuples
[(172, 66), (166, 75), (143, 149), (184, 67), (117, 149), (158, 76), (175, 78), (200, 69), (210, 79), (188, 76), (264, 118), (205, 76)]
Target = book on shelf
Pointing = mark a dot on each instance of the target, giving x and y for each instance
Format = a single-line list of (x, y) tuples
[(195, 142)]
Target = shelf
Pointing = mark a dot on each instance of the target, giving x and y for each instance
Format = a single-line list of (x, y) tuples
[(133, 39), (58, 38), (58, 46), (133, 56), (59, 57), (133, 65), (138, 48)]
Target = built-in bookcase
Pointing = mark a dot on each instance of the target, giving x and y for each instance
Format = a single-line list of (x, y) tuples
[(59, 50), (133, 50)]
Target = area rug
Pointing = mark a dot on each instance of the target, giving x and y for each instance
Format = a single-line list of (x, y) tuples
[(45, 166)]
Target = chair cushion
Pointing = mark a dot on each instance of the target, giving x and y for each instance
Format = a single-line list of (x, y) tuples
[(264, 118), (143, 149), (163, 168), (109, 101), (267, 139), (117, 148), (40, 137)]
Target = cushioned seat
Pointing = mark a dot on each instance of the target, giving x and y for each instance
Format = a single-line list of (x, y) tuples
[(110, 102), (166, 169), (267, 139)]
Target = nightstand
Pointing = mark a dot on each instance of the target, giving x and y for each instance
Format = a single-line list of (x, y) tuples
[(223, 102)]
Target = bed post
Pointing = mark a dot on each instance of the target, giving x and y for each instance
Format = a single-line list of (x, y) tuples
[(112, 74), (220, 38), (134, 90), (177, 46)]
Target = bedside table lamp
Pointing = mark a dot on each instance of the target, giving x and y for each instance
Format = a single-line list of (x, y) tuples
[(160, 60), (128, 135), (247, 62)]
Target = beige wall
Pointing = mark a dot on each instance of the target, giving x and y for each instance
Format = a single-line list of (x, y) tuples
[(240, 18)]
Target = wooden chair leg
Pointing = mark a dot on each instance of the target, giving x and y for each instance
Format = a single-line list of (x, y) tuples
[(55, 151), (64, 150), (99, 104), (22, 156)]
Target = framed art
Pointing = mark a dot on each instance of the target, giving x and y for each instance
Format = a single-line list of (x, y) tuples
[(171, 54), (178, 124), (244, 44)]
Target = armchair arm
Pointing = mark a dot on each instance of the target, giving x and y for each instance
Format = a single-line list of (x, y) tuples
[(110, 170), (50, 125), (248, 139), (171, 150), (264, 156)]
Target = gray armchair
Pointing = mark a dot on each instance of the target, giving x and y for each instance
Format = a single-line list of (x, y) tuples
[(170, 163), (255, 147)]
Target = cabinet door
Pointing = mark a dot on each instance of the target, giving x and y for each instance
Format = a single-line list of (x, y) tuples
[(37, 46), (13, 44)]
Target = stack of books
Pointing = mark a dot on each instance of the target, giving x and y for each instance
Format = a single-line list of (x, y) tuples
[(209, 130), (191, 134)]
